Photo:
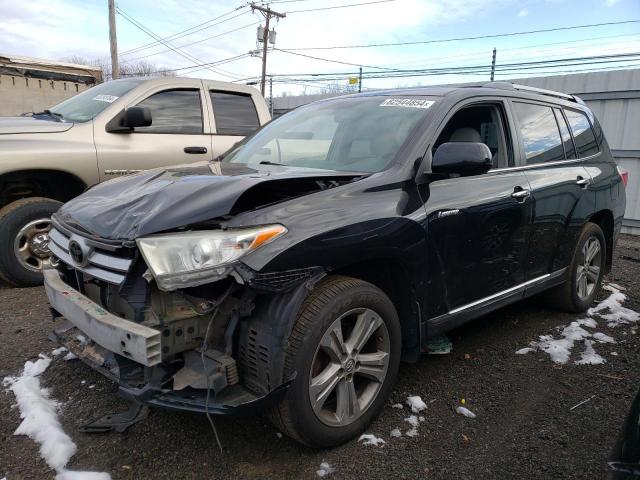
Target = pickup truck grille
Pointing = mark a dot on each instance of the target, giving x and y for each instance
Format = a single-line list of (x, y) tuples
[(102, 261)]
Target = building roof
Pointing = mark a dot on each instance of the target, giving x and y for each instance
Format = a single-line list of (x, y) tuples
[(36, 67)]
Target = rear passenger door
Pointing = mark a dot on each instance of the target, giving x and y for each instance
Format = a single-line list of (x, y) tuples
[(559, 186), (234, 117)]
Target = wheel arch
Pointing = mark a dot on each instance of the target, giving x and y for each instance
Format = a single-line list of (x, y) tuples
[(395, 280), (49, 183), (604, 219)]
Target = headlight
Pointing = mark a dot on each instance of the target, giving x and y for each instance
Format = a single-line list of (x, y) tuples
[(193, 258)]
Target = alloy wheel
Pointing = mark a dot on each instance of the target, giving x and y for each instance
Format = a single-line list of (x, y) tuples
[(31, 244), (588, 271), (349, 367)]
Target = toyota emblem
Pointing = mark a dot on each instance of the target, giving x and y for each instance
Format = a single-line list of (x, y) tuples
[(75, 250)]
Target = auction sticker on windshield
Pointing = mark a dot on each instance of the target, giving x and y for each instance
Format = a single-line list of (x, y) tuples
[(105, 98), (407, 102)]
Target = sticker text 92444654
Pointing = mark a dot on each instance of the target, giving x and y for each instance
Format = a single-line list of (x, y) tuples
[(407, 102)]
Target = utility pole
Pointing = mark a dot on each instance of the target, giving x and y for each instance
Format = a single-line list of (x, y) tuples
[(113, 42), (493, 64), (268, 13), (360, 81)]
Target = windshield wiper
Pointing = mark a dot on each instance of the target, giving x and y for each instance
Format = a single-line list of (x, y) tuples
[(57, 116), (267, 162)]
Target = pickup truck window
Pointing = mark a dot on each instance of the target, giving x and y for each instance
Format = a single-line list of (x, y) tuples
[(235, 114), (582, 133), (354, 135), (174, 111), (540, 134), (86, 105)]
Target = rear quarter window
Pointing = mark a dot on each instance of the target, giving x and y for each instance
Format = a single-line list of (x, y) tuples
[(583, 135), (235, 114)]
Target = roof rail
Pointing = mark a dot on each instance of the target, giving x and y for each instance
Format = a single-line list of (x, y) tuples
[(542, 91)]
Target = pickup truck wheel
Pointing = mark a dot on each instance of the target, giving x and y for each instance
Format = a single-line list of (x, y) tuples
[(24, 228), (345, 351), (576, 294)]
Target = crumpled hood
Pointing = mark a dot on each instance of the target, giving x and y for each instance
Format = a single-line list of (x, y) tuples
[(13, 125), (162, 199)]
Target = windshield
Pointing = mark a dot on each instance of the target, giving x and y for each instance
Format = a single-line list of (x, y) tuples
[(86, 105), (361, 134)]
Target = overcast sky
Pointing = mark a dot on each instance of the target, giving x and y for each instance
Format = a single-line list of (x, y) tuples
[(56, 29)]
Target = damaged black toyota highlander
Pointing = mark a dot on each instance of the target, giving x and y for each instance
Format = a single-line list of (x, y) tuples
[(293, 274)]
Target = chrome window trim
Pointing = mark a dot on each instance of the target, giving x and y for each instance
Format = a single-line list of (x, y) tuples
[(499, 294), (547, 164)]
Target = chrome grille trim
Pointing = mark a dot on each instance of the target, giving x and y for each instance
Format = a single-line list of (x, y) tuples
[(102, 265)]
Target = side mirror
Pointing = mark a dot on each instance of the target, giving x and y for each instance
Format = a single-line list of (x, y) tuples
[(136, 117), (464, 158), (129, 119)]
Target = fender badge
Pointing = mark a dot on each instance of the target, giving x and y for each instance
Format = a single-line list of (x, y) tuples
[(448, 213)]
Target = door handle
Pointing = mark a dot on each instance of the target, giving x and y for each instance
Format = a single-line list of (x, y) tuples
[(583, 182), (195, 149), (520, 193)]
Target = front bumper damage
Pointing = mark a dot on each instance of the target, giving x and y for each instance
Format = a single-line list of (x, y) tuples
[(130, 354)]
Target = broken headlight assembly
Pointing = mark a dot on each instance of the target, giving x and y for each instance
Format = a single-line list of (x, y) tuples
[(194, 258)]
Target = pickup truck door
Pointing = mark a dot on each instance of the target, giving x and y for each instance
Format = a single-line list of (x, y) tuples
[(235, 115), (180, 132)]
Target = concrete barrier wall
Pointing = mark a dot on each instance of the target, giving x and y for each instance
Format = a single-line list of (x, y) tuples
[(20, 94)]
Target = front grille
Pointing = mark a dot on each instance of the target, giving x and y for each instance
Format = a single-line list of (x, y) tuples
[(102, 261)]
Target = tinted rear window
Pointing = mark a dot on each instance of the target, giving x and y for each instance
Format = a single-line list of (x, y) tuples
[(234, 114), (539, 131), (583, 135), (569, 150)]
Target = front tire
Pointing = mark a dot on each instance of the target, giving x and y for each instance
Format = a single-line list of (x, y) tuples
[(345, 350), (24, 230), (586, 270)]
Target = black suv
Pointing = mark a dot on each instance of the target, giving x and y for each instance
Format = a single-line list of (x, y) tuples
[(292, 274)]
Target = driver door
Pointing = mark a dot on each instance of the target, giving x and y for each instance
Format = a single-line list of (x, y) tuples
[(477, 226), (180, 133)]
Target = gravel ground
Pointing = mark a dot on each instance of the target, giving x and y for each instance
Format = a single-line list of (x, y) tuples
[(523, 429)]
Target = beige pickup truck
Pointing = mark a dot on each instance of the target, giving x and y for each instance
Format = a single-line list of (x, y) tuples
[(113, 129)]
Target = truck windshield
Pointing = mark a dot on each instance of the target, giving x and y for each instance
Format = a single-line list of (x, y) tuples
[(86, 105), (360, 134)]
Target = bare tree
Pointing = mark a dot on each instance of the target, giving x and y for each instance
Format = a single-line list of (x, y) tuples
[(140, 68)]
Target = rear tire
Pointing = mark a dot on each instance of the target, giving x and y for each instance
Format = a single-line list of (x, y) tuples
[(357, 310), (585, 274), (24, 226)]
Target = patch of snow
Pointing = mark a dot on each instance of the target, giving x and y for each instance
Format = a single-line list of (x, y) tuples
[(603, 338), (559, 349), (615, 354), (412, 433), (92, 386), (416, 404), (39, 414), (421, 418), (370, 439), (587, 322), (58, 351), (412, 420), (324, 470), (589, 356), (525, 350), (465, 411), (396, 432), (70, 356), (397, 405), (83, 382), (618, 315), (278, 434)]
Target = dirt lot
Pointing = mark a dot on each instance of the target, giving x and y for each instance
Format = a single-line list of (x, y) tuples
[(523, 429)]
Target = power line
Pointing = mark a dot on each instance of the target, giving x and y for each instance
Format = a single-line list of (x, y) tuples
[(200, 66), (340, 6), (186, 55), (253, 24), (188, 31), (459, 39)]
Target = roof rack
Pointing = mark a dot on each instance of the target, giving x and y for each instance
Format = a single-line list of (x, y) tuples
[(539, 91)]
